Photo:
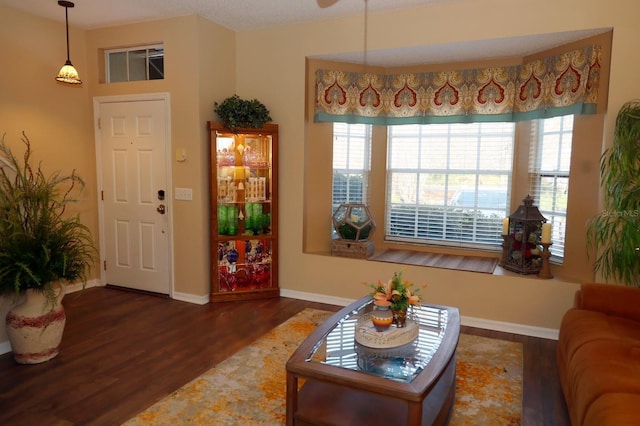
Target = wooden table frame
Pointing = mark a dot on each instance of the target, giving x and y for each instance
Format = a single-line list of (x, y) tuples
[(339, 396)]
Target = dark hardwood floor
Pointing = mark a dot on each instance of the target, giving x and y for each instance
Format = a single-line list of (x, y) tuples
[(123, 351)]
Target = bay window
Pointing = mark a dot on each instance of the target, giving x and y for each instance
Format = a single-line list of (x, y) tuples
[(451, 184)]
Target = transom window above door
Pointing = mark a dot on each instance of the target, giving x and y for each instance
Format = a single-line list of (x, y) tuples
[(135, 64)]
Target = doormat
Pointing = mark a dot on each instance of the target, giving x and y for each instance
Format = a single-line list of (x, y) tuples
[(249, 388), (485, 265)]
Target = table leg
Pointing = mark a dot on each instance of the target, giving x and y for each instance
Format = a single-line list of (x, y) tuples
[(414, 416), (292, 398)]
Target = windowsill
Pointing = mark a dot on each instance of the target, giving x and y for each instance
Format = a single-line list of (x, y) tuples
[(498, 270)]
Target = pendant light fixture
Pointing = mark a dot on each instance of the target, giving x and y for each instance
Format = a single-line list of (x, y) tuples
[(68, 73)]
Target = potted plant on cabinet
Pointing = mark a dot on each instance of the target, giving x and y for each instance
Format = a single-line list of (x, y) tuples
[(236, 113), (615, 233), (41, 247)]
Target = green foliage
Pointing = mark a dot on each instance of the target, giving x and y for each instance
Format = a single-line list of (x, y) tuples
[(39, 244), (236, 113), (615, 234)]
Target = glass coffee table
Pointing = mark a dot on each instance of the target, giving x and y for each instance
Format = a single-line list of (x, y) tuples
[(334, 380)]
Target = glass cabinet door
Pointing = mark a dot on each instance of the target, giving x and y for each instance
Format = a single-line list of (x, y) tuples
[(244, 184), (243, 213)]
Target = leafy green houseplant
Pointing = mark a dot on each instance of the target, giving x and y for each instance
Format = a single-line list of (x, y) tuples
[(40, 243), (614, 234), (236, 113)]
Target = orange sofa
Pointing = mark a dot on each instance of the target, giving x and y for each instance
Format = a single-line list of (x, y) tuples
[(599, 356)]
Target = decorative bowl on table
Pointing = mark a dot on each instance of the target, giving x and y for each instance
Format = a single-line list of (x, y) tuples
[(367, 335)]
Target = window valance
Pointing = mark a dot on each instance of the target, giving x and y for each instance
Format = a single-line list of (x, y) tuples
[(557, 85)]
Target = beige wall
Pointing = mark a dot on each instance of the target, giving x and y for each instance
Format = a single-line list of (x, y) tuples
[(206, 63), (280, 54), (55, 118), (199, 70)]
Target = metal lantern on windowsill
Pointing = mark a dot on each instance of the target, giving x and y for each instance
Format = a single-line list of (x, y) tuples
[(523, 249), (354, 225)]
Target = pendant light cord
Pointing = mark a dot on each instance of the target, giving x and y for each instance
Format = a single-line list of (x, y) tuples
[(366, 32), (66, 19)]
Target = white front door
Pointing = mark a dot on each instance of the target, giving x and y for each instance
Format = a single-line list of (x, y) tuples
[(135, 194)]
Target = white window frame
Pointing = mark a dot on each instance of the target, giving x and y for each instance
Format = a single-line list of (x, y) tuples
[(550, 159), (147, 48), (356, 164), (351, 160), (442, 220)]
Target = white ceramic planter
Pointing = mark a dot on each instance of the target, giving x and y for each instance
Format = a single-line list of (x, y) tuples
[(35, 328)]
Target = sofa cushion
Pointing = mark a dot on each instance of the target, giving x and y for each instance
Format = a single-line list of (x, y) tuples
[(602, 357), (617, 300), (580, 327), (614, 409)]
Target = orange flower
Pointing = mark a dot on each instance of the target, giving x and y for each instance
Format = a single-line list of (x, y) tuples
[(383, 291), (413, 299), (380, 296)]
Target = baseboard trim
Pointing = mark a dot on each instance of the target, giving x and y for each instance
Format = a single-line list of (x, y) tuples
[(5, 347), (73, 288), (506, 327), (183, 297), (191, 298), (313, 297)]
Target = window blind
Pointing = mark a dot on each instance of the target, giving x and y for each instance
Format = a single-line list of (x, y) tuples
[(351, 163), (549, 168), (449, 183)]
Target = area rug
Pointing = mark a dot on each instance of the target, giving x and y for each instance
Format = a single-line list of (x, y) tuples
[(485, 265), (249, 388)]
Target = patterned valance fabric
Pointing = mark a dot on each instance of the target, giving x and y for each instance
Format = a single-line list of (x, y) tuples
[(557, 85)]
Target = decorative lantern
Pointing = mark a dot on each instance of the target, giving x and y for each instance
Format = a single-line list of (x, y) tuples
[(354, 225), (522, 247)]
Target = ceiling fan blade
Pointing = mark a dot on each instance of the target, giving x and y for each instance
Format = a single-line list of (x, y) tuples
[(326, 3)]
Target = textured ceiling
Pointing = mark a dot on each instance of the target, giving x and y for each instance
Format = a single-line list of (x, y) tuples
[(240, 15), (236, 15)]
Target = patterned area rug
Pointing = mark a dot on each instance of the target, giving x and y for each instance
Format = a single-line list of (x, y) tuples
[(249, 387)]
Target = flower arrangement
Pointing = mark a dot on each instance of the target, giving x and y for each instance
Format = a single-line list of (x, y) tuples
[(397, 291)]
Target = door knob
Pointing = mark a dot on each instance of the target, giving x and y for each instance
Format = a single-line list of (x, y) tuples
[(161, 209)]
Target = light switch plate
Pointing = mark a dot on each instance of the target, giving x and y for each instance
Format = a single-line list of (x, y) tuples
[(181, 155), (184, 194)]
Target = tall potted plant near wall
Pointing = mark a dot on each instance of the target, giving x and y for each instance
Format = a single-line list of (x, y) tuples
[(42, 247), (614, 235)]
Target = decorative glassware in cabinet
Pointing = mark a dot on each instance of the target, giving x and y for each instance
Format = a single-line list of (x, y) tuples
[(245, 265), (243, 212)]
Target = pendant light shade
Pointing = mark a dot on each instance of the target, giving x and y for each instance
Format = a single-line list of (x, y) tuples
[(68, 73)]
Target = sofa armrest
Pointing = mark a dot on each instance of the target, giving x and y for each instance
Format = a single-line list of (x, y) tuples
[(610, 299)]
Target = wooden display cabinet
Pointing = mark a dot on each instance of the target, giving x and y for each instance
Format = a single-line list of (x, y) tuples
[(244, 212)]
